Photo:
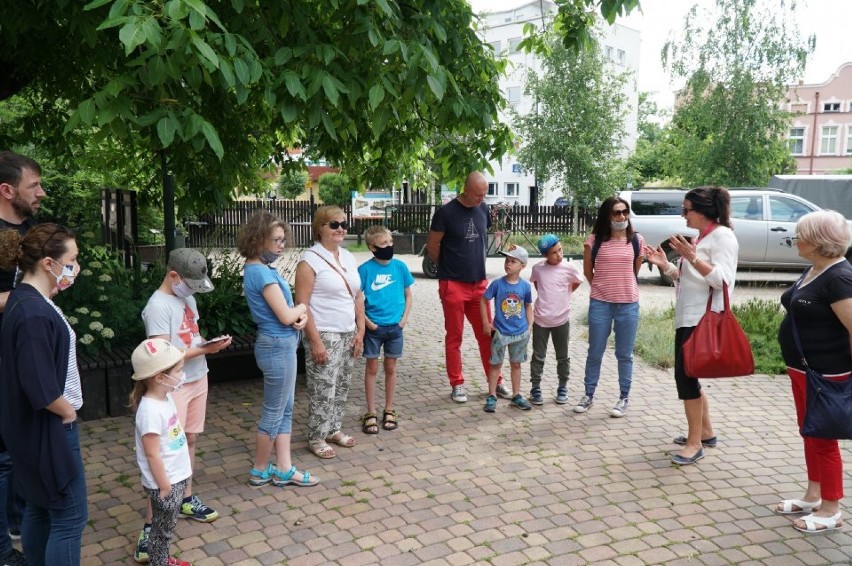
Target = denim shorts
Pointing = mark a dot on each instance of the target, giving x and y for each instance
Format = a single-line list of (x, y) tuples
[(388, 336), (517, 345)]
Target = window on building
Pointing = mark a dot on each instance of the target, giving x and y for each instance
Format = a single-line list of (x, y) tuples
[(796, 139), (849, 139), (621, 55), (492, 190), (512, 189), (513, 44), (496, 45), (608, 52), (831, 107), (828, 140), (513, 95)]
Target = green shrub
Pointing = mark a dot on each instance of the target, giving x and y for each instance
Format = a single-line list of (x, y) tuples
[(224, 309), (655, 338)]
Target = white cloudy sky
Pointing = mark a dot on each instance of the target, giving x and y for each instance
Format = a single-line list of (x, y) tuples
[(829, 19)]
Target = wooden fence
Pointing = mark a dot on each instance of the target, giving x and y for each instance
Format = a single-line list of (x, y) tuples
[(220, 229)]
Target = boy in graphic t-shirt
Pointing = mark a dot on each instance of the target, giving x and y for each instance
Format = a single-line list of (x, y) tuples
[(513, 317), (386, 284)]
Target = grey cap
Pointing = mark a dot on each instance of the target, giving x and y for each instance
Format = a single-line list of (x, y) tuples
[(516, 252), (191, 265)]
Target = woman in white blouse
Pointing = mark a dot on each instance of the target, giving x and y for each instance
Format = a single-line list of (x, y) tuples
[(705, 264), (327, 281)]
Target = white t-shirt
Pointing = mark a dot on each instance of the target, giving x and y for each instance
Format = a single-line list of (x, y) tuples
[(719, 248), (168, 315), (332, 306), (160, 418), (553, 285)]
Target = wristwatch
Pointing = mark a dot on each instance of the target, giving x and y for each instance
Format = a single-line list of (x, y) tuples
[(695, 260)]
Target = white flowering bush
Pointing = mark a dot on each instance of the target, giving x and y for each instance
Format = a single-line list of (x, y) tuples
[(104, 306)]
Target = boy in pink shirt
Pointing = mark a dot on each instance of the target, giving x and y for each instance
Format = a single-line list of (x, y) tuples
[(555, 280)]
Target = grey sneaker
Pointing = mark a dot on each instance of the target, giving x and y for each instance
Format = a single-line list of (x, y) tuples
[(562, 395), (620, 408), (502, 392), (535, 396), (459, 394), (584, 404)]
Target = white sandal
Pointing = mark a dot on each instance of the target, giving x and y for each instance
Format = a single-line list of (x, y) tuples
[(787, 506), (811, 522)]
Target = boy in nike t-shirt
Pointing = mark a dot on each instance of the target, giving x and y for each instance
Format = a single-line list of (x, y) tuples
[(386, 284)]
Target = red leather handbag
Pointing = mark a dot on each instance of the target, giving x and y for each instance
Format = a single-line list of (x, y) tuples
[(718, 347)]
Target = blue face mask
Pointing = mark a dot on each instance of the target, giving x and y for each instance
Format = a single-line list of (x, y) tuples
[(384, 253), (268, 257)]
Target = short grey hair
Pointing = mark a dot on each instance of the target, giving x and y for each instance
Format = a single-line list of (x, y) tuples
[(827, 230)]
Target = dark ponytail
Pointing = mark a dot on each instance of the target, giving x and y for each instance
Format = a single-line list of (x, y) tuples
[(712, 202)]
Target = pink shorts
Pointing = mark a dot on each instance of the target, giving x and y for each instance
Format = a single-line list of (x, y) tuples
[(191, 403)]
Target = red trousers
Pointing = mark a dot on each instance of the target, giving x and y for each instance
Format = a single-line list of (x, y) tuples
[(460, 300), (822, 456)]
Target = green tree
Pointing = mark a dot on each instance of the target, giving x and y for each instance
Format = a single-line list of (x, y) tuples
[(335, 188), (292, 183), (573, 136), (649, 162), (729, 128), (218, 87)]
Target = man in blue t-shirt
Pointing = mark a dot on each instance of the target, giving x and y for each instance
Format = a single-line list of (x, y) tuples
[(386, 283), (458, 239)]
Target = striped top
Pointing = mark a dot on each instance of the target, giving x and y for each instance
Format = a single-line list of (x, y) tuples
[(73, 390), (614, 279)]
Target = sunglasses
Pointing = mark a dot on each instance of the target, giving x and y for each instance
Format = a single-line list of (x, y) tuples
[(620, 212), (334, 225), (684, 211)]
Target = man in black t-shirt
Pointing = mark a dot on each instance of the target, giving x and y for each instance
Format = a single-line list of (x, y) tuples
[(20, 198), (458, 240)]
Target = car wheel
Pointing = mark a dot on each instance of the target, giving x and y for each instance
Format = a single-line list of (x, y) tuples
[(430, 268), (672, 256)]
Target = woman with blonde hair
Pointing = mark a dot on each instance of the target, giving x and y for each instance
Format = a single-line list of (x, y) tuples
[(278, 322), (819, 311), (327, 281)]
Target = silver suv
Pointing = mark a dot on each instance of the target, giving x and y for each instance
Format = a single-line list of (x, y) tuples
[(764, 222)]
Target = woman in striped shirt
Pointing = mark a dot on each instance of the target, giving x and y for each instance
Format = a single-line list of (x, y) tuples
[(611, 258)]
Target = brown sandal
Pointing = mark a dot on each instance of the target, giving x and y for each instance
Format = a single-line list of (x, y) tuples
[(368, 426), (322, 450), (341, 439), (389, 420)]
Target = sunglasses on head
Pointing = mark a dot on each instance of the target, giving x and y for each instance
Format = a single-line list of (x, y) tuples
[(334, 225)]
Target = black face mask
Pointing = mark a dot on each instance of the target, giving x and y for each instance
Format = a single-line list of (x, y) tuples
[(383, 253)]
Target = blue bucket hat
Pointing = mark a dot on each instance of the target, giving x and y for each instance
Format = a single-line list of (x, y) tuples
[(546, 242)]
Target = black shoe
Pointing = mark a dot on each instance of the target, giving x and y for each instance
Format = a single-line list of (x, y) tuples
[(13, 558)]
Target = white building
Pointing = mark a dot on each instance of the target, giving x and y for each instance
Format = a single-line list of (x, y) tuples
[(504, 30)]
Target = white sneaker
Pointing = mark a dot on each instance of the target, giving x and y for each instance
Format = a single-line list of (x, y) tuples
[(584, 404), (620, 409), (459, 395)]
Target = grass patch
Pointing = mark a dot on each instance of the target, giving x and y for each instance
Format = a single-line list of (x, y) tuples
[(760, 318)]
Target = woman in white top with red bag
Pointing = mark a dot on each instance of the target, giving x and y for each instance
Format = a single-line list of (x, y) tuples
[(327, 281), (705, 265)]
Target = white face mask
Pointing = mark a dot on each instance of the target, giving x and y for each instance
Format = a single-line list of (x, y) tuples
[(619, 225), (181, 289), (179, 381), (66, 277)]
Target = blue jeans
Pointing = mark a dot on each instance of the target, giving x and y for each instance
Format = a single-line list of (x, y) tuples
[(54, 537), (5, 493), (603, 318), (276, 358)]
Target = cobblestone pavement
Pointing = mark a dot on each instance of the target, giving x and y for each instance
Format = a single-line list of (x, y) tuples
[(454, 485)]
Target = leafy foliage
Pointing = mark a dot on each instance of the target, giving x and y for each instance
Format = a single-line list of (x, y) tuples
[(729, 128), (574, 136), (292, 183), (575, 22), (224, 309), (335, 188), (649, 162), (218, 87)]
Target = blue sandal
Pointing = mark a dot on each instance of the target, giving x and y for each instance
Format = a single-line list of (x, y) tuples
[(258, 478), (281, 479)]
